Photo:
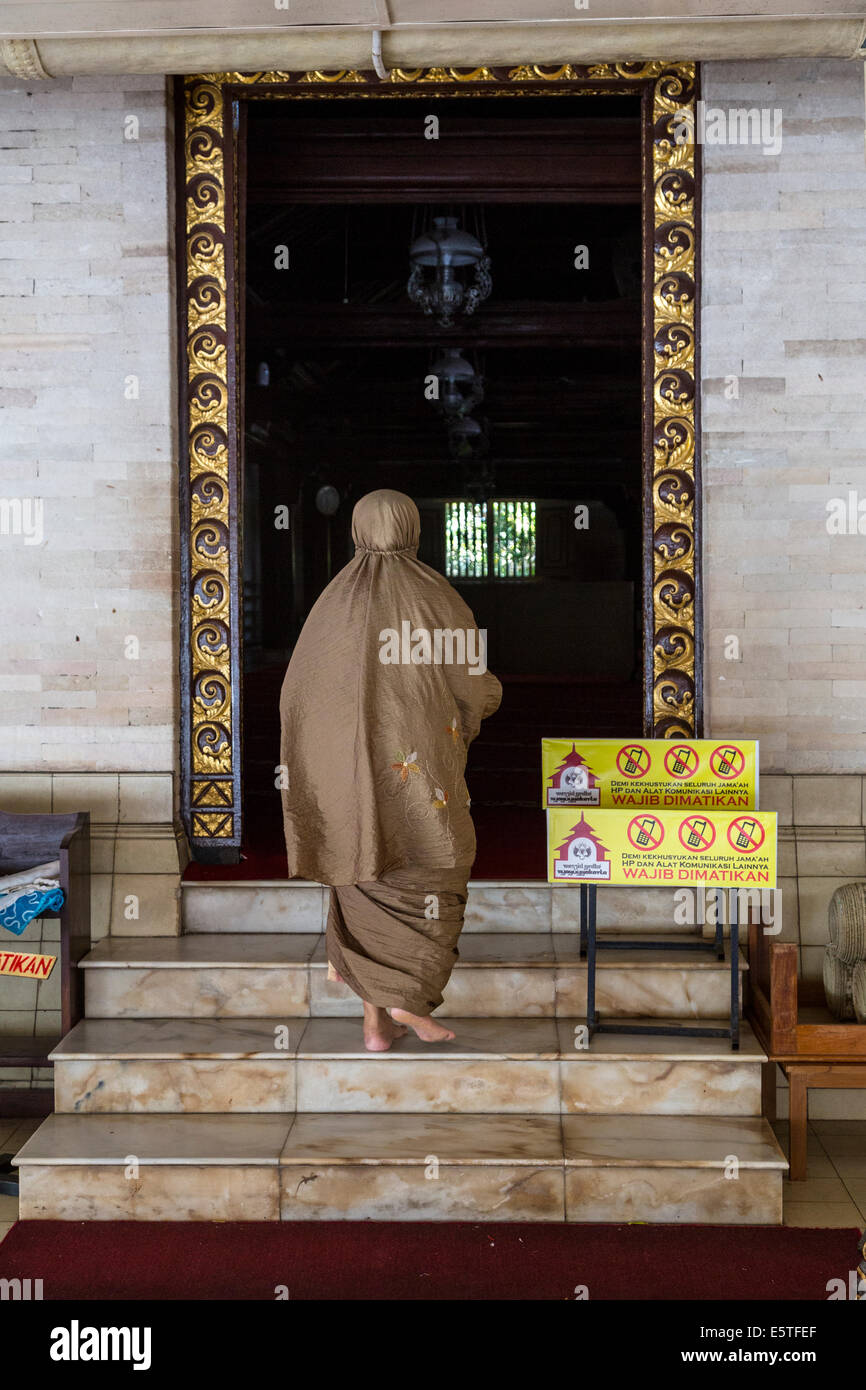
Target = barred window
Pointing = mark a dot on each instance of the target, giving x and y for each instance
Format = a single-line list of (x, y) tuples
[(466, 540), (490, 540)]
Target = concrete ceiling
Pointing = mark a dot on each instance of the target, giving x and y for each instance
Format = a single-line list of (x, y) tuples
[(57, 37)]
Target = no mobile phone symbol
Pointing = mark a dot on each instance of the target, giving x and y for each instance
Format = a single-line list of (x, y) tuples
[(682, 761), (645, 832), (727, 761), (745, 834), (697, 833), (633, 760)]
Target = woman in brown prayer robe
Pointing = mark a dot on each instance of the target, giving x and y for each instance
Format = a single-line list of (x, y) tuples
[(386, 688)]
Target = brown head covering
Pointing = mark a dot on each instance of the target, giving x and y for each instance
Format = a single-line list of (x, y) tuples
[(375, 749)]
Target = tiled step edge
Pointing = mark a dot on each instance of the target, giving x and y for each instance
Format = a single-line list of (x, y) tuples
[(497, 975), (511, 1066), (393, 1167)]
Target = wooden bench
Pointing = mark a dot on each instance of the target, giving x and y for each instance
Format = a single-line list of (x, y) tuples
[(25, 841), (800, 1035)]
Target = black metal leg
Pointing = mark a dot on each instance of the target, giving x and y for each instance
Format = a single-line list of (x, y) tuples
[(735, 968), (720, 935), (591, 1017), (589, 947)]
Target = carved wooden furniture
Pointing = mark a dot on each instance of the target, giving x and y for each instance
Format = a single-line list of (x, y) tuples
[(25, 841), (799, 1034)]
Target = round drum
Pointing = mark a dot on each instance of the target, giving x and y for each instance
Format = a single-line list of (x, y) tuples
[(847, 921), (858, 991), (838, 985)]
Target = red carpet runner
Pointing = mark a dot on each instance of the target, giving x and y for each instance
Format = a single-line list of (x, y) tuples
[(424, 1260)]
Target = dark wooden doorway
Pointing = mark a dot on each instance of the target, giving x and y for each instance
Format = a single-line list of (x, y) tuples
[(336, 362)]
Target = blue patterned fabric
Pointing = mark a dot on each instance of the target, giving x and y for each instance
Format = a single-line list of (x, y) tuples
[(17, 910)]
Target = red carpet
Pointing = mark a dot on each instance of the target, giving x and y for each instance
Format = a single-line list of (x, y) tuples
[(511, 844), (410, 1261), (504, 772)]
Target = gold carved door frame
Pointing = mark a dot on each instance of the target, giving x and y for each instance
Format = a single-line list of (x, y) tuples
[(209, 107)]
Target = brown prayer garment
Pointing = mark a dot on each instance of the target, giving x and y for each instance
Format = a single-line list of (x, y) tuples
[(384, 693)]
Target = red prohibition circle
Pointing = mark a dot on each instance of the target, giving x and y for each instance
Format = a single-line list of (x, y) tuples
[(623, 758), (673, 754), (746, 828), (699, 828), (639, 830), (738, 768)]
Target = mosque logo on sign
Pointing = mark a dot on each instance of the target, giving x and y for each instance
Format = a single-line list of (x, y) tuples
[(573, 783), (581, 855)]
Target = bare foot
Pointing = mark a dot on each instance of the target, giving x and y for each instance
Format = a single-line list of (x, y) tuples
[(423, 1026), (379, 1030)]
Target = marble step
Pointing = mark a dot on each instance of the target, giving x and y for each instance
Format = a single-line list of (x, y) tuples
[(497, 905), (513, 1065), (499, 974), (393, 1167)]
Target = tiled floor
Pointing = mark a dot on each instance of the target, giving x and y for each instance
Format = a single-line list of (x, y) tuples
[(833, 1194), (834, 1191)]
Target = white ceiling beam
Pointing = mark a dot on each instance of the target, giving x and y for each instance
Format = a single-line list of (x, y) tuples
[(459, 45)]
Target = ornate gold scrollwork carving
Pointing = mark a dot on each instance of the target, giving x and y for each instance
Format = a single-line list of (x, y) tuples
[(674, 401), (210, 716), (442, 75), (534, 72), (212, 825), (348, 75)]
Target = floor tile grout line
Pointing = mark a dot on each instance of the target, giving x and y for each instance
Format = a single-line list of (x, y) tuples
[(861, 1206)]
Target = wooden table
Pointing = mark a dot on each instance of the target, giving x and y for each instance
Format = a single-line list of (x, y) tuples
[(800, 1036), (801, 1075)]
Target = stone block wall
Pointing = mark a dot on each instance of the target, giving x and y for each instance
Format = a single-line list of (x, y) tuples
[(87, 392), (784, 416)]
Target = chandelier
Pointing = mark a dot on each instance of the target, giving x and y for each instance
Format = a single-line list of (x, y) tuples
[(450, 270), (467, 439), (460, 386)]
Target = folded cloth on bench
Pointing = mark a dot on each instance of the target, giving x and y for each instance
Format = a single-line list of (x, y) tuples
[(29, 893)]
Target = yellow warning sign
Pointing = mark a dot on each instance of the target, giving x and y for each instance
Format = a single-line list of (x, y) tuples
[(644, 847), (23, 963), (706, 773)]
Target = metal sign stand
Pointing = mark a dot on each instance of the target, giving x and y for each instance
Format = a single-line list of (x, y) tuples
[(590, 946)]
